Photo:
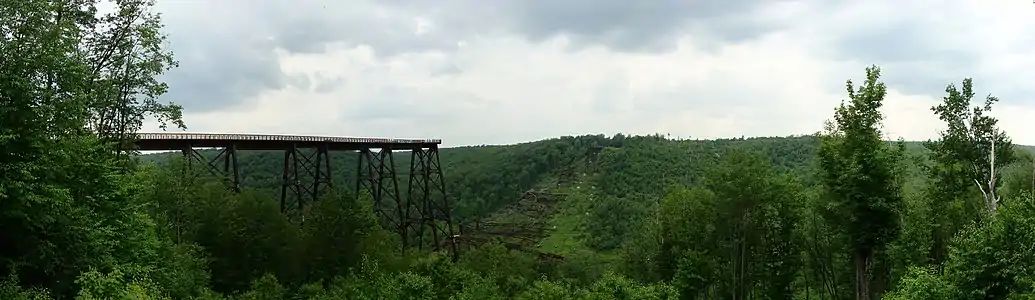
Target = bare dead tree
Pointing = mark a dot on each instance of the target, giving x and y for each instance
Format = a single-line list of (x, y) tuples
[(991, 200)]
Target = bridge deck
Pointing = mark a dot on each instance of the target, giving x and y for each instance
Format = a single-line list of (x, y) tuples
[(181, 140)]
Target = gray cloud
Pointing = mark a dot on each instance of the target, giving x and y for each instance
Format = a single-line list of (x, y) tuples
[(227, 72), (923, 46), (220, 65), (389, 27), (633, 25), (637, 26), (226, 49), (914, 57), (446, 69), (223, 65), (407, 103), (325, 85)]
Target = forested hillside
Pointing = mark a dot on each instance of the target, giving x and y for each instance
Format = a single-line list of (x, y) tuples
[(839, 214), (587, 199)]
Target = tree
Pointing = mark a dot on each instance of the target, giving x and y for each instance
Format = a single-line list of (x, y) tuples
[(859, 176), (66, 206), (732, 237), (612, 220), (972, 150), (40, 118), (755, 229), (967, 159), (125, 55)]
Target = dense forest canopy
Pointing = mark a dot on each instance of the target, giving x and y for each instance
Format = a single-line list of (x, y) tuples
[(839, 214)]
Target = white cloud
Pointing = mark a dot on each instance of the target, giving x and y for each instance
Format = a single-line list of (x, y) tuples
[(509, 89)]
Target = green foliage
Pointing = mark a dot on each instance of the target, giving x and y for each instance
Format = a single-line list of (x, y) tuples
[(961, 166), (264, 288), (923, 284), (1018, 178), (510, 269), (859, 175), (613, 220), (11, 289), (336, 232), (248, 236), (182, 270), (915, 243), (995, 260), (116, 285), (547, 290), (992, 261), (614, 286), (732, 235)]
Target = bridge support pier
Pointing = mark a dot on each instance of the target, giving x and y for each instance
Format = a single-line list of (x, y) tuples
[(229, 173), (306, 177), (376, 175), (428, 199)]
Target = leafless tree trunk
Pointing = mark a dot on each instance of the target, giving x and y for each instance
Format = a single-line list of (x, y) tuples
[(988, 192)]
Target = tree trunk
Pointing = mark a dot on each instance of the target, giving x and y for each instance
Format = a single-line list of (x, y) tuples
[(862, 275), (938, 246)]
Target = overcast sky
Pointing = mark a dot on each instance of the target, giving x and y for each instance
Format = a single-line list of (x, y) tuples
[(505, 71)]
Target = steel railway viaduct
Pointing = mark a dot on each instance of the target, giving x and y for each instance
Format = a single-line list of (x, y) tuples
[(421, 218)]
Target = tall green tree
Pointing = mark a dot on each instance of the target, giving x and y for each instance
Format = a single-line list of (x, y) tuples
[(732, 238), (756, 225), (859, 176), (125, 54), (41, 117), (966, 161), (67, 206)]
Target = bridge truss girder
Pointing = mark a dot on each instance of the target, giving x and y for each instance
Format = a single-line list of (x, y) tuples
[(306, 177), (229, 173)]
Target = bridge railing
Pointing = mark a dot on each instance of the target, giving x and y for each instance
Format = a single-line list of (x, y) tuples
[(274, 137)]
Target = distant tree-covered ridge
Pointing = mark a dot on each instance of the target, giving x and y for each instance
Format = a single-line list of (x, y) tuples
[(482, 179)]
